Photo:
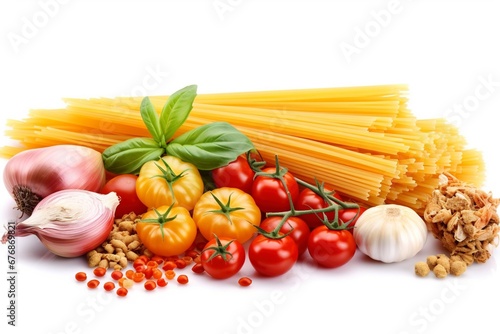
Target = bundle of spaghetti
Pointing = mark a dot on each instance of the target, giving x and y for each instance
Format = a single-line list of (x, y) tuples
[(362, 141)]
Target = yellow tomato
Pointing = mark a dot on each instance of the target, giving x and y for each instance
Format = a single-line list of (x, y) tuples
[(227, 212), (167, 231), (169, 181)]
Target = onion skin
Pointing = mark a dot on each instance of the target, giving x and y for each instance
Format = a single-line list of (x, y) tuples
[(34, 174), (70, 222)]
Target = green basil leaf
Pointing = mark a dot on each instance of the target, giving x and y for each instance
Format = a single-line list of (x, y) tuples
[(151, 119), (128, 156), (210, 146), (176, 110)]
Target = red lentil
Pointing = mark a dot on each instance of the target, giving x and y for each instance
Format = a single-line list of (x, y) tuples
[(92, 284), (182, 279), (169, 265), (122, 292), (180, 263), (150, 285), (198, 268), (138, 277), (116, 275), (245, 281), (157, 273), (129, 273), (162, 282), (81, 276), (100, 271), (108, 286), (170, 274)]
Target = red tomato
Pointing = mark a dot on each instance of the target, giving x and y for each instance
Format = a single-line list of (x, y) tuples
[(222, 260), (300, 230), (269, 193), (124, 186), (331, 248), (348, 214), (308, 200), (236, 174), (272, 257)]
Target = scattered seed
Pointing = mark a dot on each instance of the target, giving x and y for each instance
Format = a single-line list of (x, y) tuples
[(81, 276), (245, 281)]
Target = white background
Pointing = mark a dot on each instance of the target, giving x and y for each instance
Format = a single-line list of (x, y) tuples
[(444, 50)]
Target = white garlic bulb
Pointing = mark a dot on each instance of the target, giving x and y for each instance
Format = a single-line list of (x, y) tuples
[(390, 233)]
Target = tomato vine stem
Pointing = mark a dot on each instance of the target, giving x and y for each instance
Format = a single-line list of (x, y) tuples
[(334, 204)]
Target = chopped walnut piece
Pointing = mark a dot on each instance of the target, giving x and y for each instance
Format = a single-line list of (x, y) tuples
[(464, 218)]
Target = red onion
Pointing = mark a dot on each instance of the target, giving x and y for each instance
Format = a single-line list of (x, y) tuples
[(34, 174), (71, 223)]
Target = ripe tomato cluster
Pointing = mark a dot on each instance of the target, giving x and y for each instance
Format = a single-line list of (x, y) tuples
[(296, 217), (277, 214)]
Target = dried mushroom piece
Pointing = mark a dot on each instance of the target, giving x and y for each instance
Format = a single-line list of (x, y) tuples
[(464, 218)]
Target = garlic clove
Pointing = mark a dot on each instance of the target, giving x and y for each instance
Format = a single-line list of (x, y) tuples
[(390, 233)]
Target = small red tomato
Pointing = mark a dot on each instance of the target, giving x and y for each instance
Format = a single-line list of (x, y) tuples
[(351, 215), (269, 192), (299, 230), (223, 257), (272, 257), (331, 248), (236, 174), (309, 200), (124, 186)]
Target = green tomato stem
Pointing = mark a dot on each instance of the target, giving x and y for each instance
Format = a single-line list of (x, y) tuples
[(161, 220), (225, 209)]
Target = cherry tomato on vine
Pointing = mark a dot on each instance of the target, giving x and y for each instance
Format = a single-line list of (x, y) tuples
[(299, 230), (124, 186), (308, 200), (269, 192), (236, 174), (222, 257), (331, 248), (272, 257), (346, 215)]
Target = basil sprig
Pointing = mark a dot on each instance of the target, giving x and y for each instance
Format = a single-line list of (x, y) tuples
[(207, 147)]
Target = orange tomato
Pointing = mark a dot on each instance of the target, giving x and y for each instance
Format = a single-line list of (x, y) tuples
[(169, 181), (228, 213), (167, 231)]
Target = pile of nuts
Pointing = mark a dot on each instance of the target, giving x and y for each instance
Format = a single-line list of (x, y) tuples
[(441, 265), (464, 218), (121, 246)]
